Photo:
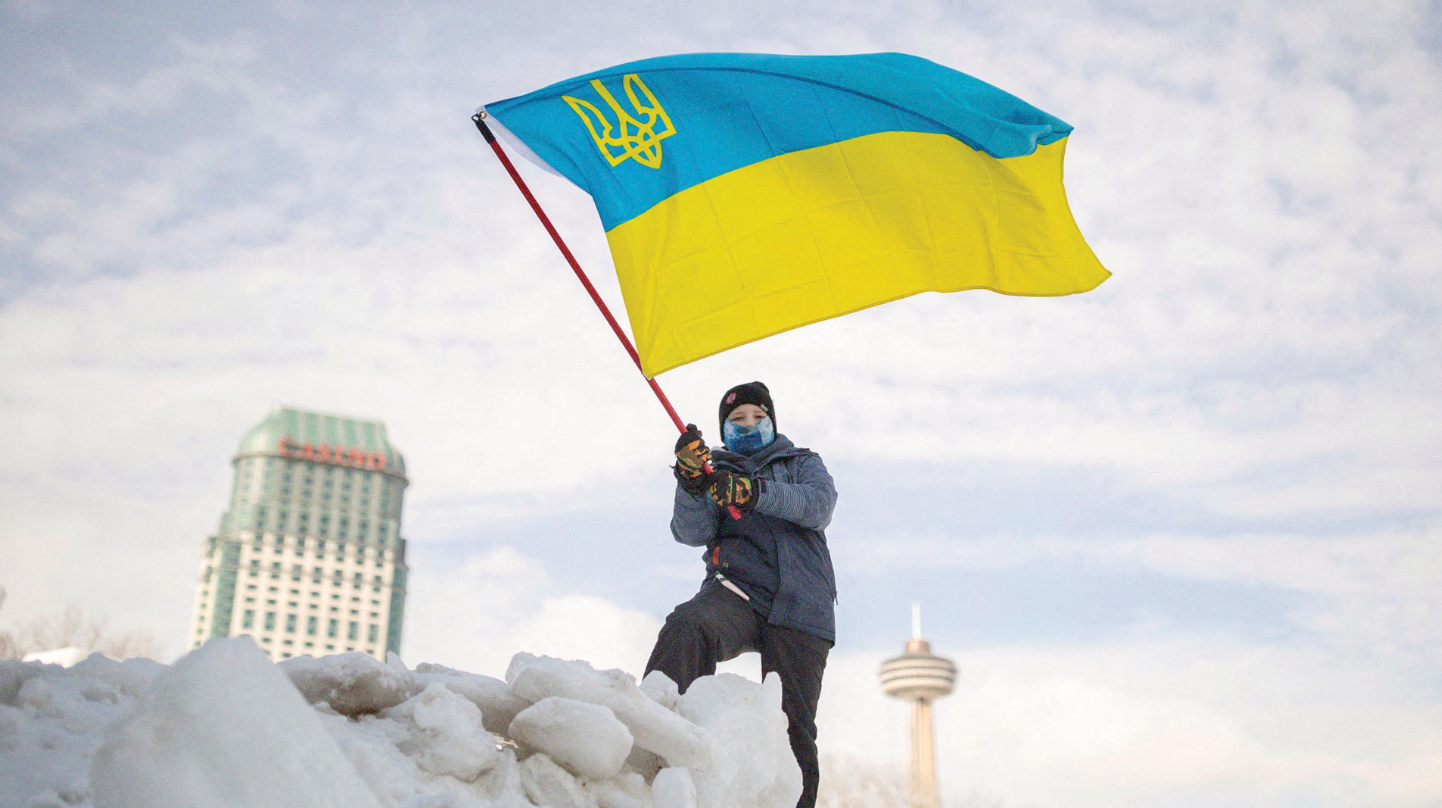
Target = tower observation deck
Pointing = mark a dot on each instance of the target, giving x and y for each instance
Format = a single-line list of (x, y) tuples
[(920, 677)]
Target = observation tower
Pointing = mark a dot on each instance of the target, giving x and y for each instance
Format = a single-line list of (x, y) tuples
[(920, 677)]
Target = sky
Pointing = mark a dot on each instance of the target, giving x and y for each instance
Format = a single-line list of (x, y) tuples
[(1181, 534)]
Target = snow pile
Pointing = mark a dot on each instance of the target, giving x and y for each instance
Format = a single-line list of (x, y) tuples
[(225, 727)]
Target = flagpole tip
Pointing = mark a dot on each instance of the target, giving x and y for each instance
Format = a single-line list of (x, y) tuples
[(479, 119)]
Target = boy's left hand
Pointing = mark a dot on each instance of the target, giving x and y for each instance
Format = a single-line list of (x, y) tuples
[(734, 490)]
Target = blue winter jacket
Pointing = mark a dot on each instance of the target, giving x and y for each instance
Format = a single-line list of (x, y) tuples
[(777, 553)]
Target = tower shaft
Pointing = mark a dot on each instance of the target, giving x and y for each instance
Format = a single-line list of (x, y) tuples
[(924, 791)]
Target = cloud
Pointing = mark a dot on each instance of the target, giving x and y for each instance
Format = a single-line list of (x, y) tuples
[(1370, 594), (1154, 719), (500, 603)]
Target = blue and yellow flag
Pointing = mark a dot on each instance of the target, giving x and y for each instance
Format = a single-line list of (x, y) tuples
[(744, 194)]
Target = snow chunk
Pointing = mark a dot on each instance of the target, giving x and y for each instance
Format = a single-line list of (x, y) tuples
[(447, 736), (550, 785), (498, 705), (746, 720), (503, 783), (584, 738), (659, 688), (674, 788), (627, 790), (654, 727), (130, 677), (14, 674), (352, 684), (223, 728)]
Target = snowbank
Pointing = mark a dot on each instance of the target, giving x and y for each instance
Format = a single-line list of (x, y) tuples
[(225, 727)]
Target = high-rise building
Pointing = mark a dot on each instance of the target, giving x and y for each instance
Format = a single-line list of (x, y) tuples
[(308, 558)]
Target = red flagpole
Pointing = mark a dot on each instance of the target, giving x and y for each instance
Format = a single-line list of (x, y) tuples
[(480, 121)]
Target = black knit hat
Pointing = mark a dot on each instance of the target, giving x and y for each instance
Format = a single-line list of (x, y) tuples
[(748, 393)]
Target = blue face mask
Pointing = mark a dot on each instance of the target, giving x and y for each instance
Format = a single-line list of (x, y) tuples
[(748, 440)]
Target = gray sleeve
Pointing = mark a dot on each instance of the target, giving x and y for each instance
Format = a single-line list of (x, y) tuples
[(808, 502), (693, 519)]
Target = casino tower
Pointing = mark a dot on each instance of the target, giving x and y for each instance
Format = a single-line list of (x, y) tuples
[(308, 559)]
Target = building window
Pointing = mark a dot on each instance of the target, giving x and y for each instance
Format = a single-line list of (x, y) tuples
[(310, 625), (290, 624), (269, 621), (352, 631), (247, 620), (372, 632), (331, 629)]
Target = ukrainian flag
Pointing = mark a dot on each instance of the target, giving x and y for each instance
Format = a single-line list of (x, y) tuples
[(745, 194)]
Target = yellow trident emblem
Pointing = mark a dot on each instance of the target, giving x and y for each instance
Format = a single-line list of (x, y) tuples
[(636, 139)]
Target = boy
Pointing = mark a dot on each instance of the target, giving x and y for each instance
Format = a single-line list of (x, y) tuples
[(769, 583)]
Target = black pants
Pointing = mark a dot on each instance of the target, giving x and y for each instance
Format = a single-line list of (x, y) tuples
[(717, 625)]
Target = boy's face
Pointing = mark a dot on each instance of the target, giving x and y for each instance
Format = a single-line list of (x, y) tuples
[(746, 415)]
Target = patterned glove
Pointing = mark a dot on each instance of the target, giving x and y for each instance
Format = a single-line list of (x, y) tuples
[(691, 459), (727, 489)]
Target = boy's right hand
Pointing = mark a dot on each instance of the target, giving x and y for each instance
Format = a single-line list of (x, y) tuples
[(692, 455)]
